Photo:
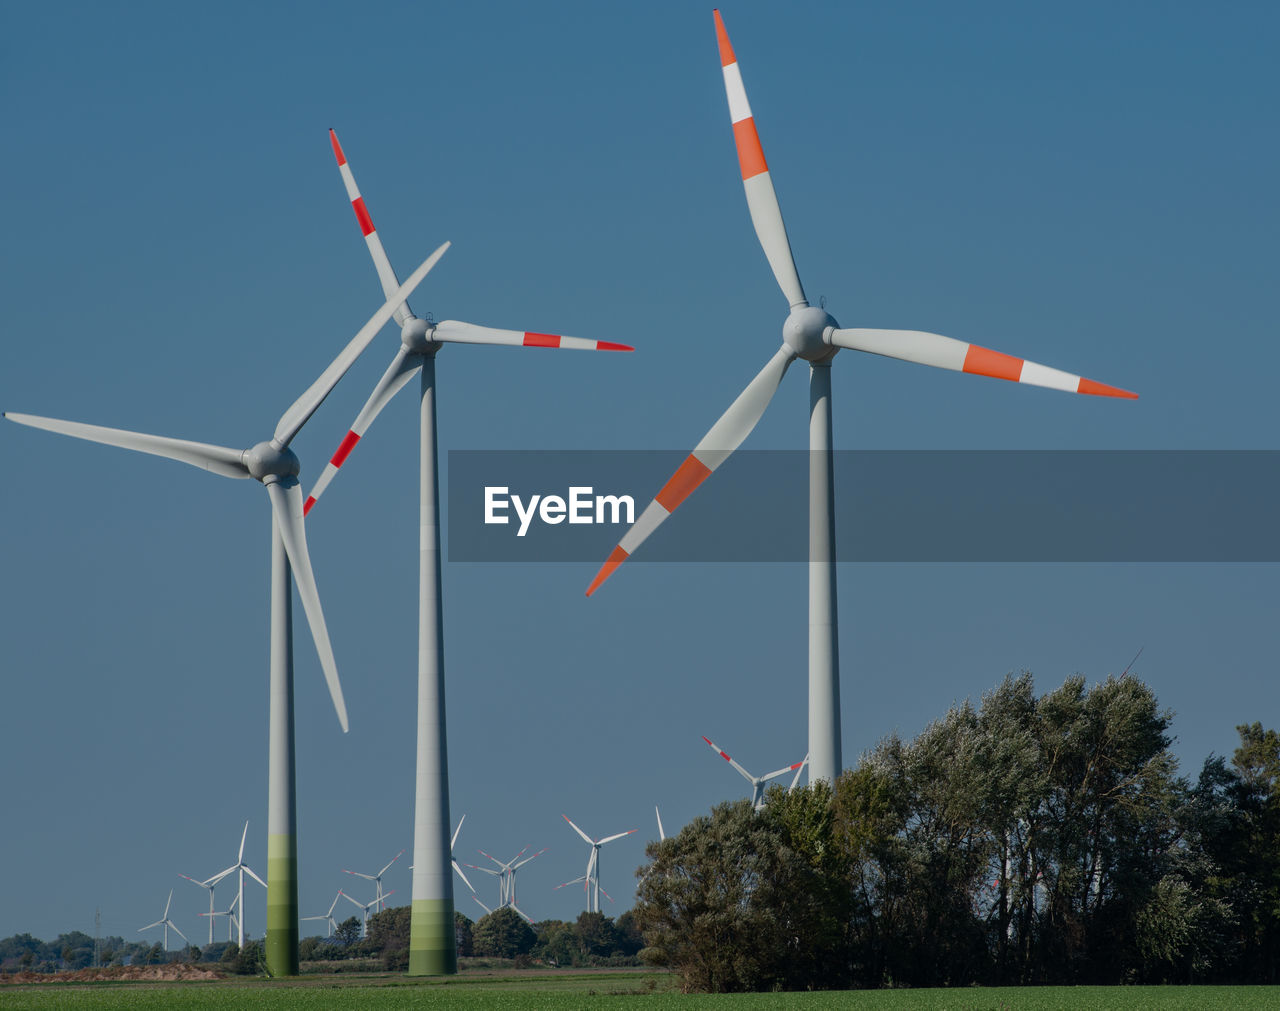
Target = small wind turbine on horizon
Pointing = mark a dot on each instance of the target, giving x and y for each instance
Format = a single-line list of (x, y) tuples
[(240, 869), (591, 879), (506, 875), (432, 947), (165, 922), (758, 783), (376, 878), (233, 921), (810, 333), (365, 907), (276, 467), (209, 884), (328, 917)]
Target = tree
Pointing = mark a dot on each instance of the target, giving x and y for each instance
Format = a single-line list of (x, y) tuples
[(348, 932), (502, 934), (388, 937), (462, 926)]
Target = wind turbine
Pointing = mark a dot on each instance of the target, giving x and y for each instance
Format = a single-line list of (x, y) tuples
[(592, 878), (432, 948), (809, 332), (209, 884), (275, 465), (758, 782), (240, 869), (233, 921), (376, 878), (328, 917), (365, 907), (165, 922), (506, 874)]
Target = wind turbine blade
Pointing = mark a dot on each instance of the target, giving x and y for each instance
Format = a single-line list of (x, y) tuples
[(585, 838), (351, 900), (380, 261), (463, 876), (662, 835), (367, 877), (216, 459), (762, 202), (296, 416), (568, 883), (782, 772), (958, 356), (249, 870), (178, 932), (168, 902), (481, 904), (158, 923), (611, 838), (516, 866), (222, 874), (799, 772), (389, 863), (716, 446), (243, 836), (725, 755), (452, 331), (333, 904), (286, 503), (520, 912), (454, 841), (403, 367), (606, 895)]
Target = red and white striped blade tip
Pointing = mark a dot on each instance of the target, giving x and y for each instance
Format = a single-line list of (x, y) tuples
[(555, 340)]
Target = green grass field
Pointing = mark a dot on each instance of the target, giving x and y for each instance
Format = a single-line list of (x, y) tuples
[(570, 990)]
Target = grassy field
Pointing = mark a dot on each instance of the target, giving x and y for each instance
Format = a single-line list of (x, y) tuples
[(573, 990)]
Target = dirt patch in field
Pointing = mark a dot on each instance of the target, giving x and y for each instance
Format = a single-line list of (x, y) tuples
[(175, 972)]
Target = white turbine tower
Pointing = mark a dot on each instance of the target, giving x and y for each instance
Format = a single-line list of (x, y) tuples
[(591, 880), (165, 922), (240, 869), (810, 333), (758, 783), (376, 878), (328, 917), (275, 465), (431, 937)]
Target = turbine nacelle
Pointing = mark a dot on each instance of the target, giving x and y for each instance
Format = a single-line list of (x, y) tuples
[(806, 330), (416, 335), (268, 462)]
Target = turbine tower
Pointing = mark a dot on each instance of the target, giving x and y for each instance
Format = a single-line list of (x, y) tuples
[(165, 922), (209, 884), (432, 948), (809, 332), (591, 880), (233, 921), (275, 465), (758, 782)]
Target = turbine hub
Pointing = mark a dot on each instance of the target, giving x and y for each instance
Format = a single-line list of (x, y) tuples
[(268, 464), (804, 333), (416, 334)]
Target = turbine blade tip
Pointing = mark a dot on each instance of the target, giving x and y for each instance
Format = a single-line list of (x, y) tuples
[(1097, 389), (616, 557)]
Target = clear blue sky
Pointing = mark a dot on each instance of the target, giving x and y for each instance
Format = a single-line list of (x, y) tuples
[(1087, 185)]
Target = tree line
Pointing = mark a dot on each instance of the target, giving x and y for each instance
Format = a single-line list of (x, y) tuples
[(1028, 840)]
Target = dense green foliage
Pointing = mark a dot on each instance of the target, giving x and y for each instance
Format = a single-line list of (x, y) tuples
[(1027, 841)]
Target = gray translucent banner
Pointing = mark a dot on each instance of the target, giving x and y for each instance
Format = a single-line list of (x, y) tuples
[(891, 506)]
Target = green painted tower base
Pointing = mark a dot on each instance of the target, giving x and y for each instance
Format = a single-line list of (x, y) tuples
[(433, 949), (282, 905)]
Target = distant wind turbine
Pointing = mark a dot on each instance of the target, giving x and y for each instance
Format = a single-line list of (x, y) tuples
[(376, 878), (591, 879), (165, 922), (328, 917), (758, 783)]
